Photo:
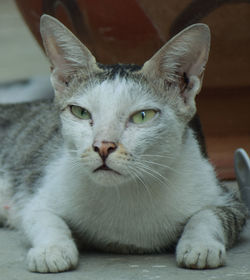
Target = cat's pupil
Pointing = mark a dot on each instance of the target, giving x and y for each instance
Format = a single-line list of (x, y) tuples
[(143, 115), (83, 112)]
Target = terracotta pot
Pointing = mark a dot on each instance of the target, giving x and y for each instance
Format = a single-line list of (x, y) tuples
[(131, 31)]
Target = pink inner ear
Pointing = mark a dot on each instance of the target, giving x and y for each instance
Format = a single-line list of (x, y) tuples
[(56, 56)]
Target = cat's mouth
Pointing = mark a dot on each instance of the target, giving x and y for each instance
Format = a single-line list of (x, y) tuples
[(104, 167)]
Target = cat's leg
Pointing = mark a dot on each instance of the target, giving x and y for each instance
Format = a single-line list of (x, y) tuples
[(207, 235), (53, 249)]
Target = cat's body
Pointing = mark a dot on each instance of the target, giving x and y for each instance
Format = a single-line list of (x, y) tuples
[(36, 127), (124, 174)]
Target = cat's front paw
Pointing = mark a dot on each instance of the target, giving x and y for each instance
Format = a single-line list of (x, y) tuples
[(200, 255), (53, 258)]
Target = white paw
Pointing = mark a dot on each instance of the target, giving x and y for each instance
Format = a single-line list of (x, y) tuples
[(53, 258), (200, 255)]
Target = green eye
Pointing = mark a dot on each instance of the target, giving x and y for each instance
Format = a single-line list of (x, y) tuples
[(143, 116), (80, 112)]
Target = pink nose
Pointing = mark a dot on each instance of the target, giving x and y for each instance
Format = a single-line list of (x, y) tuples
[(104, 149)]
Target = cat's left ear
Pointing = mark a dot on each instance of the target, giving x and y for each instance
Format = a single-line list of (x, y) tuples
[(177, 68), (66, 53)]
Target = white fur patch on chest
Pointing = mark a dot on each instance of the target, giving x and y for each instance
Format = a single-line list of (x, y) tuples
[(134, 220)]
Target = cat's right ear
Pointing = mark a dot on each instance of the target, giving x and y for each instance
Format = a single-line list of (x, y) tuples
[(66, 53)]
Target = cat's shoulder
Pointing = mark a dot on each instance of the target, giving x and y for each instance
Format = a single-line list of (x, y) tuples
[(22, 116)]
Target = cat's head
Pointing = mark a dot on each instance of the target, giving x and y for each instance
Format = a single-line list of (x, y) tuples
[(125, 122)]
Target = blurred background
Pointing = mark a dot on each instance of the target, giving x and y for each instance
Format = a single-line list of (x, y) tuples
[(20, 55)]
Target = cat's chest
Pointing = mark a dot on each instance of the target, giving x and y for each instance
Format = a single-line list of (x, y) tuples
[(141, 220)]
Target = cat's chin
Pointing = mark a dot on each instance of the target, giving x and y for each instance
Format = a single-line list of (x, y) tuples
[(108, 177)]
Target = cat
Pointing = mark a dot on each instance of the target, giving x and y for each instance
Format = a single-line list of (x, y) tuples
[(114, 161)]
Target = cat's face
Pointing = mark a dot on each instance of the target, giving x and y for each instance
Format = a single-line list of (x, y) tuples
[(123, 115), (123, 124)]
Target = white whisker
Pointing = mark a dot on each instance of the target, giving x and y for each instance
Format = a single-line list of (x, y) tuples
[(153, 171), (146, 170), (136, 176), (162, 165), (160, 156)]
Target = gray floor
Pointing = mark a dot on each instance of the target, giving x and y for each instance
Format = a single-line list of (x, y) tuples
[(112, 267), (21, 57)]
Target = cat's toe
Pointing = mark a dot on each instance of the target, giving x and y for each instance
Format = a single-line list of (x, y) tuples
[(199, 255), (53, 258)]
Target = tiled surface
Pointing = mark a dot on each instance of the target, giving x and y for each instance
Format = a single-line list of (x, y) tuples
[(20, 55)]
